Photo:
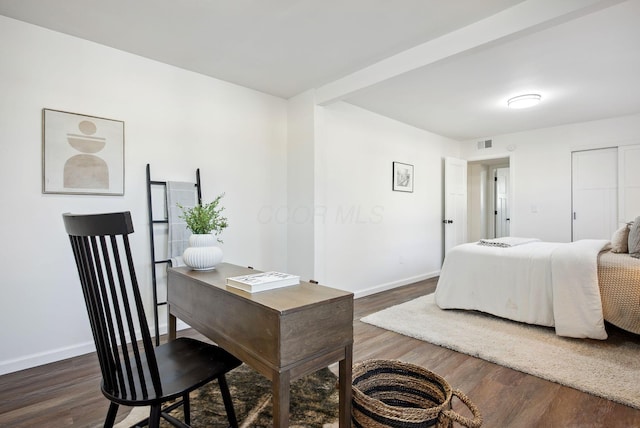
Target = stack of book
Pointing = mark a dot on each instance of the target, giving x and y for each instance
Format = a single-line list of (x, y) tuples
[(263, 281)]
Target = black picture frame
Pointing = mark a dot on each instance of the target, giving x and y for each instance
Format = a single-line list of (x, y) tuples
[(402, 178)]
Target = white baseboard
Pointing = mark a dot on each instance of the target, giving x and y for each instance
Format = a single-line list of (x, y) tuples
[(38, 359), (54, 355), (390, 285)]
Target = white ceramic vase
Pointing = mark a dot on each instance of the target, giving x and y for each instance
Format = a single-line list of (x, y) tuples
[(203, 253)]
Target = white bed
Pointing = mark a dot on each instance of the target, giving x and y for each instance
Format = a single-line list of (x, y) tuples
[(544, 283)]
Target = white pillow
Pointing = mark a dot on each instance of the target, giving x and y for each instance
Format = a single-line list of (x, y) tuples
[(634, 236), (620, 240)]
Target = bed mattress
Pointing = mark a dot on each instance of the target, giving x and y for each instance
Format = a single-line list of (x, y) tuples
[(543, 283)]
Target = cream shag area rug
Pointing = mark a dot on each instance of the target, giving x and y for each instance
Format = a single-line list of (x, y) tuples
[(609, 369)]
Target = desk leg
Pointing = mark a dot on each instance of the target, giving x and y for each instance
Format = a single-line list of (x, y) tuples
[(345, 387), (172, 327), (281, 396)]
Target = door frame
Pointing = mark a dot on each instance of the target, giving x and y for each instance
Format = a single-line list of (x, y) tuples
[(512, 187)]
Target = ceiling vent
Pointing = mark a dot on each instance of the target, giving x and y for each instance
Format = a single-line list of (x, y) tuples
[(486, 144)]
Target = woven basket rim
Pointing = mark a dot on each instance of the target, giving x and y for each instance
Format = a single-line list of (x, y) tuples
[(397, 412)]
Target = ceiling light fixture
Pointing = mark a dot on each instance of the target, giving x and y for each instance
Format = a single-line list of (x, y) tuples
[(524, 101)]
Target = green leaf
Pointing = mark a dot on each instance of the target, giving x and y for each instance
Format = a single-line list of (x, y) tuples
[(205, 218)]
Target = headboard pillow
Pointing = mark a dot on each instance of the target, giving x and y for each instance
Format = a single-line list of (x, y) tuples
[(634, 236), (620, 240)]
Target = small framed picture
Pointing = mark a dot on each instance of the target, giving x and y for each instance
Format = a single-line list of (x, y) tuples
[(82, 154), (402, 177)]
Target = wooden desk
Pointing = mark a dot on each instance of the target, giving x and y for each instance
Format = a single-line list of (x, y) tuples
[(283, 334)]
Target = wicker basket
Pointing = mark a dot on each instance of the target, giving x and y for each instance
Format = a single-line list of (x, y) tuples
[(390, 393)]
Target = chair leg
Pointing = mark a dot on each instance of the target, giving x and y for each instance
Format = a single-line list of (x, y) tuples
[(186, 407), (154, 416), (111, 415), (228, 404)]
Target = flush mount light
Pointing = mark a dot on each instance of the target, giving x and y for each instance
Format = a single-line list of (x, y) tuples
[(524, 101)]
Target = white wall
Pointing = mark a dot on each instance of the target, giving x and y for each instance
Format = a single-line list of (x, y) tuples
[(365, 237), (370, 237), (299, 212), (540, 165), (175, 120), (477, 183)]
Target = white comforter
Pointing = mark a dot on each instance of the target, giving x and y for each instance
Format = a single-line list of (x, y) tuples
[(544, 283)]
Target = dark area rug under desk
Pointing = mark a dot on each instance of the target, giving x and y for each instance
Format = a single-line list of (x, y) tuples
[(314, 401)]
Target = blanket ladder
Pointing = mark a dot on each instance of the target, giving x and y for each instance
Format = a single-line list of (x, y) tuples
[(153, 223)]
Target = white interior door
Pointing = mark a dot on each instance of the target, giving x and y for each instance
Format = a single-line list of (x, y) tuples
[(628, 183), (455, 202), (594, 193), (502, 219)]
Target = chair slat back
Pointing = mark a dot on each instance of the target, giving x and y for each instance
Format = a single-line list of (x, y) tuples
[(100, 244)]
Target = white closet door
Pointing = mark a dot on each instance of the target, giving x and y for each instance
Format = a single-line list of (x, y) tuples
[(628, 183), (594, 193)]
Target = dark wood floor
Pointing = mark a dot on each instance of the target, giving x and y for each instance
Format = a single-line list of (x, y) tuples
[(66, 393)]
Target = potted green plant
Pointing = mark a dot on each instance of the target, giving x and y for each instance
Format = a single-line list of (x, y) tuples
[(206, 222), (205, 218)]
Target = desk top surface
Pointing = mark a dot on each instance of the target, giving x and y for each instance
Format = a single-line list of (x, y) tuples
[(283, 299)]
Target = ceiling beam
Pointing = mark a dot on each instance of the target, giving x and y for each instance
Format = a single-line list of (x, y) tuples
[(523, 18)]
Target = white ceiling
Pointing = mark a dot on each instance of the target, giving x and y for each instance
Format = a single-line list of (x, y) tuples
[(447, 67)]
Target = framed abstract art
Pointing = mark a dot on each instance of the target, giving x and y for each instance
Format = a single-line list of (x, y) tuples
[(82, 154), (402, 177)]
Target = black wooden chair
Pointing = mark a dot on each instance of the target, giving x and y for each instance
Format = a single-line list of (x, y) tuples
[(133, 373)]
